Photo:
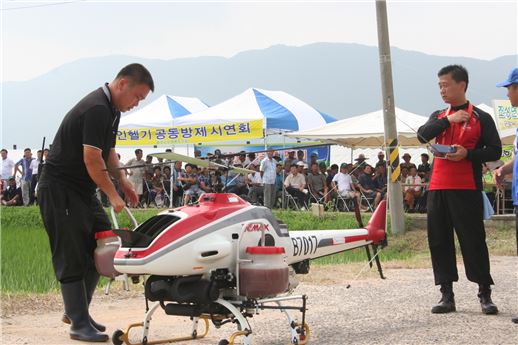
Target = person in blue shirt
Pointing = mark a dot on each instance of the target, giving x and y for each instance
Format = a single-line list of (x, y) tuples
[(26, 172), (511, 167)]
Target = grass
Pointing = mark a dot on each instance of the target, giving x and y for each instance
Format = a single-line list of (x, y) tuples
[(26, 262)]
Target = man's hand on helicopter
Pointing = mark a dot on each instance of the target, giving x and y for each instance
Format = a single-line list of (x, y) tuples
[(116, 202)]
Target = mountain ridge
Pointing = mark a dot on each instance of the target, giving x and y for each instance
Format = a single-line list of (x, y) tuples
[(339, 79)]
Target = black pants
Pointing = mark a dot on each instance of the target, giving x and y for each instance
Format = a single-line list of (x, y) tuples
[(71, 220), (32, 190), (297, 193), (461, 210)]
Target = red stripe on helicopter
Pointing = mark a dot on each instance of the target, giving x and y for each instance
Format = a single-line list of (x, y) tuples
[(197, 216), (349, 239)]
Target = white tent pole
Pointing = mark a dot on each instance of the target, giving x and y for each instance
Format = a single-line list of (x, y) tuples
[(284, 155)]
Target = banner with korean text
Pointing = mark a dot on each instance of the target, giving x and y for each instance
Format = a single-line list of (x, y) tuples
[(190, 134), (506, 117)]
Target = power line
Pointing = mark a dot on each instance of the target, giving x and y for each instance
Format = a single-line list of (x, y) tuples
[(39, 5)]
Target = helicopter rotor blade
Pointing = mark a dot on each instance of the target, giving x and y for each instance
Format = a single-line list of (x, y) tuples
[(199, 162)]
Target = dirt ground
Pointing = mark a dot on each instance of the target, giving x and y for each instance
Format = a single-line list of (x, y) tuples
[(373, 311)]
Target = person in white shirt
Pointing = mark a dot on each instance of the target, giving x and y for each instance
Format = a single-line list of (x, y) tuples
[(344, 186), (412, 188), (136, 175), (268, 174), (255, 184), (7, 168), (295, 185)]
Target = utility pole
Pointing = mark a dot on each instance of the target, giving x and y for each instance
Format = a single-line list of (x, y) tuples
[(395, 194)]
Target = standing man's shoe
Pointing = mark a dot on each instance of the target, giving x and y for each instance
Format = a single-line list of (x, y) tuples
[(91, 279), (484, 295), (76, 308), (515, 319), (447, 302)]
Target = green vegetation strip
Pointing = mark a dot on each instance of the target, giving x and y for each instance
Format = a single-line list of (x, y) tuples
[(26, 261)]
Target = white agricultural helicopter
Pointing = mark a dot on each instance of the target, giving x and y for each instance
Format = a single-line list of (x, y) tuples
[(223, 259)]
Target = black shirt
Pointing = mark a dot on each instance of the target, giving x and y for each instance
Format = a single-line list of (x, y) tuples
[(92, 122), (11, 192)]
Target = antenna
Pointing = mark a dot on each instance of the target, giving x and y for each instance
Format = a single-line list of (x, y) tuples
[(426, 142)]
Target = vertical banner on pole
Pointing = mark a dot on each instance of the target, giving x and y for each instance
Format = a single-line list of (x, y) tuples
[(394, 159)]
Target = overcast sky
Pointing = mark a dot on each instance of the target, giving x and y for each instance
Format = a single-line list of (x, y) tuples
[(42, 35)]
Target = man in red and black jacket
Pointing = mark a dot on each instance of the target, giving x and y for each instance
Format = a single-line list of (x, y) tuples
[(455, 198)]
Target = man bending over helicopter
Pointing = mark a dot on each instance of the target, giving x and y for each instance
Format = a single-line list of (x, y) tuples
[(83, 147)]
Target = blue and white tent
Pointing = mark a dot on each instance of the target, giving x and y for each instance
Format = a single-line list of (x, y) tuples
[(162, 112), (277, 109)]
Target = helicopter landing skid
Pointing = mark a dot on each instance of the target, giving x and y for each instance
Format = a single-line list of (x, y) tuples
[(120, 337), (299, 332)]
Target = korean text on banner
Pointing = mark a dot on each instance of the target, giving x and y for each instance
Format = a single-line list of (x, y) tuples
[(190, 134), (506, 116)]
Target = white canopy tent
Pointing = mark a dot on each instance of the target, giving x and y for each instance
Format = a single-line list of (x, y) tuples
[(162, 112), (366, 131), (277, 109)]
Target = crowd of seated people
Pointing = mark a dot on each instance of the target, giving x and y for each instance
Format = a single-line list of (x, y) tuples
[(304, 178)]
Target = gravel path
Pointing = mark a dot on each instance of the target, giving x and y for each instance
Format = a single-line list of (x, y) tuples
[(372, 311)]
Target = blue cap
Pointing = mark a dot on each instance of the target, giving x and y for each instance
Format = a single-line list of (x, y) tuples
[(512, 79)]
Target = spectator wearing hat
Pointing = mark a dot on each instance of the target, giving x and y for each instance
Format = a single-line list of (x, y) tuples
[(312, 159), (381, 159), (424, 169), (12, 196), (360, 161), (511, 167), (7, 168), (301, 166), (407, 164), (295, 184), (322, 166)]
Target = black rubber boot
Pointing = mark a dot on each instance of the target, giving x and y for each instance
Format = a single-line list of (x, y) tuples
[(76, 308), (484, 295), (91, 280), (447, 302)]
